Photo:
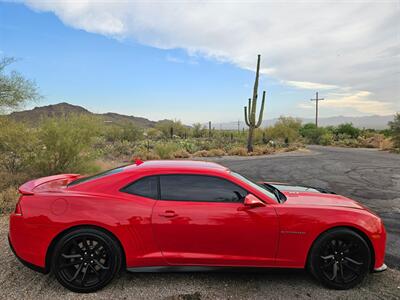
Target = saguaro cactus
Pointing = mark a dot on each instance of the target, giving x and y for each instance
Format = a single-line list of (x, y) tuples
[(250, 110)]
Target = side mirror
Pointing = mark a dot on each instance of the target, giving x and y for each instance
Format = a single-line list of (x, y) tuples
[(251, 201)]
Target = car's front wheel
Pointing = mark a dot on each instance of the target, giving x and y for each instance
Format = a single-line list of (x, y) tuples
[(86, 259), (340, 258)]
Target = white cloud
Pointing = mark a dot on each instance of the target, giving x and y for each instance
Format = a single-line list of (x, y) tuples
[(361, 102), (311, 85), (351, 46)]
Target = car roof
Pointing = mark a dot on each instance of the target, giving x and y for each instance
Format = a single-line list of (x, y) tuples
[(189, 165)]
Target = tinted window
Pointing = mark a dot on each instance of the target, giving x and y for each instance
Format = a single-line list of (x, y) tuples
[(99, 175), (145, 187), (199, 188)]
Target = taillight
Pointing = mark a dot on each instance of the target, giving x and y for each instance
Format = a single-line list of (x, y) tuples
[(18, 210)]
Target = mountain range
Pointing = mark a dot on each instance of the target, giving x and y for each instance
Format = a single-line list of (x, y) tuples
[(33, 116)]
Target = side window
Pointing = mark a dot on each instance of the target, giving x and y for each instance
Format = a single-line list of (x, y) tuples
[(145, 187), (199, 188)]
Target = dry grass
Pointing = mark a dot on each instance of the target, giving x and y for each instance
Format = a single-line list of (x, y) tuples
[(8, 199), (241, 151), (181, 154)]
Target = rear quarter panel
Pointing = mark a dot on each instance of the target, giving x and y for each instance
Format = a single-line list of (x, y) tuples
[(47, 215)]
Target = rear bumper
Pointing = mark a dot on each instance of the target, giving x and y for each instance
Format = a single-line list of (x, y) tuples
[(24, 262)]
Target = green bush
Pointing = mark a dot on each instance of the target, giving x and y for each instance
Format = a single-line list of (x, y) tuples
[(315, 135), (171, 128), (65, 145), (17, 146), (122, 132), (348, 129), (286, 128), (166, 150)]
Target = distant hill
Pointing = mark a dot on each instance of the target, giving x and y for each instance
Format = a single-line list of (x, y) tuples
[(33, 116), (375, 122)]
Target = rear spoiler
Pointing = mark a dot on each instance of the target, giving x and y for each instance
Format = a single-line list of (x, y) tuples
[(29, 187)]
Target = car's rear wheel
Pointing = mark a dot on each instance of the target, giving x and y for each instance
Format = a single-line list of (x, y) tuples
[(86, 259), (340, 258)]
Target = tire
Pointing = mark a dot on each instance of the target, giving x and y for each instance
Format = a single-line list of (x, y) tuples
[(340, 259), (86, 260)]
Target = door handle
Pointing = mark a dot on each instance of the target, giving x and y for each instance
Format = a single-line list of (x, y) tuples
[(169, 214)]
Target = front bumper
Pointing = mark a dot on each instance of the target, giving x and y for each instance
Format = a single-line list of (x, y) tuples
[(382, 268), (24, 262)]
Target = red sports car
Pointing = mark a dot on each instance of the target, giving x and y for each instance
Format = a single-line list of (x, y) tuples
[(189, 215)]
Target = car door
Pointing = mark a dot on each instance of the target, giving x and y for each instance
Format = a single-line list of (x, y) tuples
[(201, 220)]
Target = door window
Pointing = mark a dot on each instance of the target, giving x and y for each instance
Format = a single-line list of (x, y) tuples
[(200, 188)]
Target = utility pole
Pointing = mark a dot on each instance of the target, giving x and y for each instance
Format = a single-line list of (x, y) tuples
[(238, 126), (316, 107)]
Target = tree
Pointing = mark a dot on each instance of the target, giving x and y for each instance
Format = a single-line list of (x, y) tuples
[(15, 90), (250, 110), (395, 130)]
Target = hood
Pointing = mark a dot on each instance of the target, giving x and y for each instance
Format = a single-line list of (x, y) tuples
[(319, 199)]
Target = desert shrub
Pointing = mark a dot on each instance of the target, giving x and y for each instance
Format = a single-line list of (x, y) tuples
[(17, 146), (181, 153), (202, 153), (314, 134), (66, 145), (217, 152), (145, 155), (121, 148), (326, 139), (347, 129), (171, 128), (241, 151), (395, 131), (12, 179), (198, 130), (166, 150), (121, 132), (286, 128), (8, 199), (153, 133)]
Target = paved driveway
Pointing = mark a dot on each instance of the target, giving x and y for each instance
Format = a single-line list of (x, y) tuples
[(369, 176)]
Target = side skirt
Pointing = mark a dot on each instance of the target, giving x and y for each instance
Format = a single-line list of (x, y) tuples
[(172, 269)]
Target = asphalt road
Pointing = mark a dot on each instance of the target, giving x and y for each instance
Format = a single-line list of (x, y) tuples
[(369, 176)]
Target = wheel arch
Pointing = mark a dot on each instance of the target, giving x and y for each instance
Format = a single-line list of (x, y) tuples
[(53, 243), (355, 229)]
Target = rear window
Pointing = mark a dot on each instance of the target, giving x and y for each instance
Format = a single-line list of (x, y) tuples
[(96, 176), (145, 187)]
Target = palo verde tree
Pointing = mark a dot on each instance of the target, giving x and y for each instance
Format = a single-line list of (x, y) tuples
[(250, 110), (15, 90)]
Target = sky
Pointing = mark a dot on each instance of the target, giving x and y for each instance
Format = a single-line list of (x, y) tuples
[(194, 61)]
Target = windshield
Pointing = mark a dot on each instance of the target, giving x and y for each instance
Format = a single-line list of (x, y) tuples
[(258, 187), (99, 175)]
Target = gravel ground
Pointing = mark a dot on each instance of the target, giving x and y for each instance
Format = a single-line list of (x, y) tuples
[(351, 172)]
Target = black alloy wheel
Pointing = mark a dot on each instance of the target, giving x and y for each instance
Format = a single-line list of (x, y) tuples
[(85, 260), (340, 258)]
